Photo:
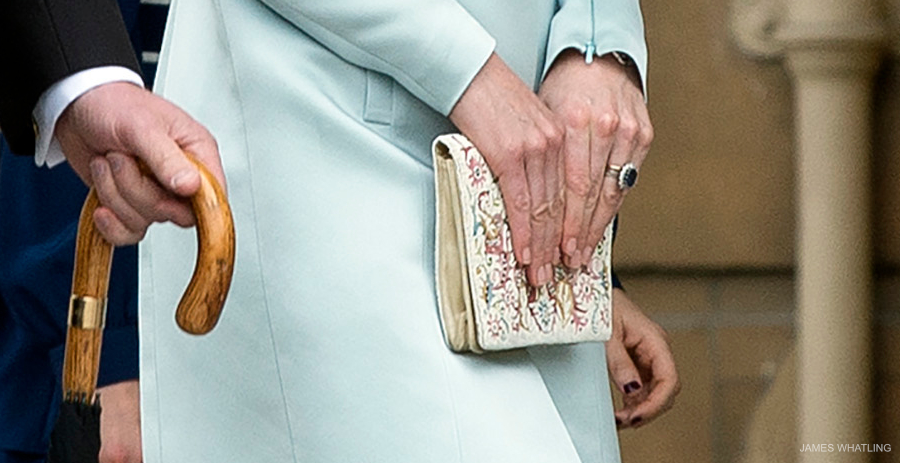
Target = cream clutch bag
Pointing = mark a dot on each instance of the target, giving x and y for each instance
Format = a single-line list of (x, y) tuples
[(484, 299)]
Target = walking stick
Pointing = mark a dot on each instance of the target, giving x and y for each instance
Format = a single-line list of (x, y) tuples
[(76, 436)]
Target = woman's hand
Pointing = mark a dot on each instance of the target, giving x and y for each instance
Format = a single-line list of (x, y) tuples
[(606, 124), (521, 142), (641, 364)]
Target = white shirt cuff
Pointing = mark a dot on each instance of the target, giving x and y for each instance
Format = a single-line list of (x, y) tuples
[(59, 96)]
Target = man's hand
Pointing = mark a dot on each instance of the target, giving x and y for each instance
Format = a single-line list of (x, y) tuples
[(520, 140), (606, 123), (641, 364), (107, 130), (120, 423)]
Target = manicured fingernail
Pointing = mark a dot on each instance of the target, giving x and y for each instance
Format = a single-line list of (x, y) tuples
[(575, 261), (526, 256), (586, 256), (115, 163), (636, 420), (632, 387), (179, 178), (548, 273), (541, 276), (570, 246)]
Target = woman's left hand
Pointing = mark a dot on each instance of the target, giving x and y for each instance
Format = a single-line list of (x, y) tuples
[(641, 364), (606, 124)]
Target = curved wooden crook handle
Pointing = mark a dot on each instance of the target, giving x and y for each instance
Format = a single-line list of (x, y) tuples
[(200, 306), (202, 302)]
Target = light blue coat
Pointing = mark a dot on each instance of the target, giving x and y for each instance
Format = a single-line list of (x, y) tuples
[(330, 349)]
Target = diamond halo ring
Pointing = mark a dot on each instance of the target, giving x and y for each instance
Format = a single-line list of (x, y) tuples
[(626, 175)]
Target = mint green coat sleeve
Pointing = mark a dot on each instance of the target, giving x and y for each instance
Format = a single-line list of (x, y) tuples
[(432, 47), (604, 25)]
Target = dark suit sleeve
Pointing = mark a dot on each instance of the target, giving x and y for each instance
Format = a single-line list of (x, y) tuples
[(42, 42)]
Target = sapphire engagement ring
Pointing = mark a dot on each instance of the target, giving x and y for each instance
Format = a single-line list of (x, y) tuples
[(626, 175)]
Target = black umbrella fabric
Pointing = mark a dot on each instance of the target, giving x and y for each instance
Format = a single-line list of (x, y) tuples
[(76, 436)]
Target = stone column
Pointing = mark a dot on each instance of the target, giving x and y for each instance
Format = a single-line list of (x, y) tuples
[(832, 49), (833, 98)]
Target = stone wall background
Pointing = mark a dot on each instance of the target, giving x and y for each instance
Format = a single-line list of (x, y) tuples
[(706, 243)]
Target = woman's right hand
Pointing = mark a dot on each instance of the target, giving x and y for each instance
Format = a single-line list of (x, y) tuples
[(521, 140)]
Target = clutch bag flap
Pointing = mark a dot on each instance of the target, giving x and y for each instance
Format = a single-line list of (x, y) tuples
[(484, 300)]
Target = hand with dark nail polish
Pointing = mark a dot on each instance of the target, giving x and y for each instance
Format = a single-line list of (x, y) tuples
[(633, 386), (640, 362)]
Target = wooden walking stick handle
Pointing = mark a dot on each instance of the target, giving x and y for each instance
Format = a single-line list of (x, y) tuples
[(200, 306), (202, 302)]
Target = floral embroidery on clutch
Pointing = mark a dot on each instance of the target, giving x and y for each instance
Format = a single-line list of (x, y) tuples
[(508, 313)]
